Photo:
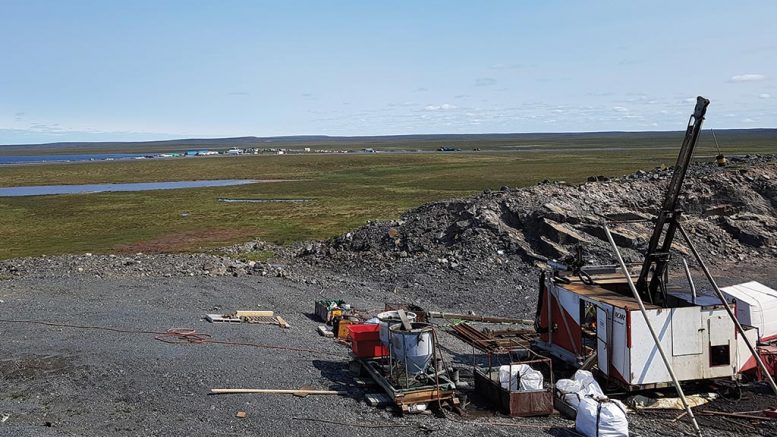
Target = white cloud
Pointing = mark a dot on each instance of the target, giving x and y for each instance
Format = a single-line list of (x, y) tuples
[(485, 81), (620, 109), (443, 107), (748, 120), (765, 95), (749, 77)]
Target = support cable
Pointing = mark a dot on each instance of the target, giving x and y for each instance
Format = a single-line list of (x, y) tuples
[(722, 298), (652, 331)]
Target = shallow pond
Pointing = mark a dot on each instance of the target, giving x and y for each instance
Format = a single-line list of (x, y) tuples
[(42, 190)]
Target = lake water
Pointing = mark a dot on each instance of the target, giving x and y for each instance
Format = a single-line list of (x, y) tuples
[(226, 200), (42, 190), (30, 159)]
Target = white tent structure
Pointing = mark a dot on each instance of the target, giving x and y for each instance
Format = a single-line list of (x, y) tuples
[(756, 306)]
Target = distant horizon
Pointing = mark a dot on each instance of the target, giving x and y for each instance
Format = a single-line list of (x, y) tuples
[(85, 71), (346, 137)]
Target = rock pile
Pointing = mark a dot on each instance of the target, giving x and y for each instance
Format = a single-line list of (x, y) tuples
[(495, 239), (138, 265)]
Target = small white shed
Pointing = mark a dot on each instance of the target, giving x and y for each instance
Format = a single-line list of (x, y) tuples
[(756, 305)]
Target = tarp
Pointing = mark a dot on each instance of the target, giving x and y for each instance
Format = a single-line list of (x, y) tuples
[(756, 305), (645, 403)]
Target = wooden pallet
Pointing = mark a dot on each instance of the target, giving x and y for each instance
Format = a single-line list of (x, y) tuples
[(250, 319)]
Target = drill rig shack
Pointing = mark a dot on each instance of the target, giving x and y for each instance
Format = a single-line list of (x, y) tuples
[(596, 322), (590, 316)]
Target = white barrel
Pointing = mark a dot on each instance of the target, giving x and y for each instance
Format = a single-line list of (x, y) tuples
[(388, 319), (414, 348)]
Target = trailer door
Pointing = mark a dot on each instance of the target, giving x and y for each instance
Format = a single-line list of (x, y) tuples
[(687, 331), (602, 340)]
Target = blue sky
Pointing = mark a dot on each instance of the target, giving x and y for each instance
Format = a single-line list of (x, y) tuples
[(137, 70)]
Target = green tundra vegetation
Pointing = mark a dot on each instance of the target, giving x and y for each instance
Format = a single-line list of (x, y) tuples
[(343, 191)]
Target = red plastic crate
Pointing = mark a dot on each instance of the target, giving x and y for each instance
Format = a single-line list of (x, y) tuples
[(365, 341), (369, 349), (364, 331)]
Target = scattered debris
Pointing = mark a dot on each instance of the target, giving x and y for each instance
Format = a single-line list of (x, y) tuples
[(325, 331), (252, 317), (340, 327), (221, 318), (328, 309)]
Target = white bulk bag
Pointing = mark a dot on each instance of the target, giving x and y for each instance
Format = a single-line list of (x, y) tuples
[(601, 417), (588, 384), (582, 384), (570, 392), (520, 377)]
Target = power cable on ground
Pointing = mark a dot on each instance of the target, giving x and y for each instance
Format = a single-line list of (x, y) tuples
[(173, 336)]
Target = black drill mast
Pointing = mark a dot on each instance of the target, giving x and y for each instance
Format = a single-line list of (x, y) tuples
[(651, 277)]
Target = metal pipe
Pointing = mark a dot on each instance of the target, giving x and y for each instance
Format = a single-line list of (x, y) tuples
[(690, 281), (476, 318), (722, 298), (652, 331)]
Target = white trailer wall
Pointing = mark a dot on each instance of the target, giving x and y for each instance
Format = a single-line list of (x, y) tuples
[(687, 350)]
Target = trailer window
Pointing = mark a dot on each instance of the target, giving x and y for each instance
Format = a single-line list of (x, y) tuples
[(719, 356)]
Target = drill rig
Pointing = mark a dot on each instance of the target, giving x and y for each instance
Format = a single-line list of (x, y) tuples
[(652, 281), (602, 318)]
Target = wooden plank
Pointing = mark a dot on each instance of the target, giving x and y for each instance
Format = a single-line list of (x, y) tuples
[(405, 321), (253, 313), (282, 323), (296, 392)]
